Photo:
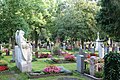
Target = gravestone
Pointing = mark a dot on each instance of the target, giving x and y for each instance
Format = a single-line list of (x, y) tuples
[(92, 65), (101, 51), (23, 52), (84, 46), (92, 48), (106, 49), (48, 45), (51, 48), (118, 49), (13, 56), (80, 63), (64, 46), (80, 51)]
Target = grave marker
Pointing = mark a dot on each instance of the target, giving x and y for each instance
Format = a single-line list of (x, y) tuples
[(80, 63)]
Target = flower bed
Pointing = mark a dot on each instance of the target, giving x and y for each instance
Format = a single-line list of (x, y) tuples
[(44, 55), (88, 55), (51, 70), (69, 57), (3, 68)]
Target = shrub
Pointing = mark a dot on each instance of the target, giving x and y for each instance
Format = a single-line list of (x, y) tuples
[(112, 66), (87, 71), (99, 74)]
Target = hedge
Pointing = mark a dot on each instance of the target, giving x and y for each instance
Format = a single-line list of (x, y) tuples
[(112, 66)]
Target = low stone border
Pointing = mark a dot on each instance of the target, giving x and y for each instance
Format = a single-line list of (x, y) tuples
[(92, 77), (37, 75)]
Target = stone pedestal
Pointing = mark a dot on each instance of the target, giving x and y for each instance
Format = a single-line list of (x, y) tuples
[(21, 64), (80, 63)]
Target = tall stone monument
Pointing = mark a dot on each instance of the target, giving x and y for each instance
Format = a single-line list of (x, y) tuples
[(23, 52), (97, 42)]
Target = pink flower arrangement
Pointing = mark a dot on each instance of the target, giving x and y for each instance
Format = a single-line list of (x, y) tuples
[(45, 55), (69, 57), (52, 69)]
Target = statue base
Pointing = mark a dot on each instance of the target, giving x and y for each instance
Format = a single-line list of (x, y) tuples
[(22, 65)]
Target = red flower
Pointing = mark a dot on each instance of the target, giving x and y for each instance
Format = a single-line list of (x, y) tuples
[(2, 68)]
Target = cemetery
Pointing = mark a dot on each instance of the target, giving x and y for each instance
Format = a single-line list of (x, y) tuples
[(59, 40)]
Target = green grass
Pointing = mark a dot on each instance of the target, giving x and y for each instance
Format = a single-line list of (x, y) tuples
[(38, 65)]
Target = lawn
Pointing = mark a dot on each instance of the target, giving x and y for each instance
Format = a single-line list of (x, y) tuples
[(14, 74)]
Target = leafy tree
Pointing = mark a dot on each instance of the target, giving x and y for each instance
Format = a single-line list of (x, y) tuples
[(11, 20), (108, 18), (75, 20), (28, 15)]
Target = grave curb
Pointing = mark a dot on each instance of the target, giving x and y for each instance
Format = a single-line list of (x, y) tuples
[(45, 75), (92, 77)]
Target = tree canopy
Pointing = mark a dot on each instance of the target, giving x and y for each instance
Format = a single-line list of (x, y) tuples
[(48, 19), (76, 20), (109, 18)]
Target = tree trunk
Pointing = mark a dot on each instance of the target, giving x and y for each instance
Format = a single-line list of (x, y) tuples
[(82, 43), (12, 42), (36, 39)]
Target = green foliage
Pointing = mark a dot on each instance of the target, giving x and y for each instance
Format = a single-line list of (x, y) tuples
[(99, 74), (76, 20), (108, 18), (3, 62), (112, 66), (87, 71)]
